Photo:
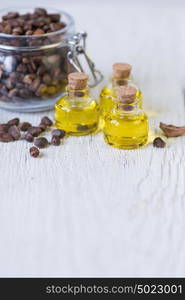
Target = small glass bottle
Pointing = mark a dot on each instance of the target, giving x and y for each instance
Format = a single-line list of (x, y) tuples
[(121, 77), (76, 112), (126, 125)]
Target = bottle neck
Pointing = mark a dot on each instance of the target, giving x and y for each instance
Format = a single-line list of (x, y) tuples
[(83, 93), (120, 81), (127, 108)]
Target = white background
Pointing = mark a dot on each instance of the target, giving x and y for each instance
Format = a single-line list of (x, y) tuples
[(85, 209)]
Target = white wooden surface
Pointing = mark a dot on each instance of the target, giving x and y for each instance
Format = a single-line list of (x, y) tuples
[(85, 209)]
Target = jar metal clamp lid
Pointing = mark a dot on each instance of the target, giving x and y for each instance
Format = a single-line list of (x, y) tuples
[(78, 47)]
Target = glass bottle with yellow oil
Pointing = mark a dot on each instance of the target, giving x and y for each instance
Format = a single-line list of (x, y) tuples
[(76, 112), (121, 77), (126, 125)]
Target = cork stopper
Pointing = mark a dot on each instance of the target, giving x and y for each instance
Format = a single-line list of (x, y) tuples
[(121, 70), (126, 94), (77, 80)]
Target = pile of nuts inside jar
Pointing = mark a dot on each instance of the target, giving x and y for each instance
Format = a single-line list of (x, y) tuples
[(36, 23), (13, 130), (32, 75)]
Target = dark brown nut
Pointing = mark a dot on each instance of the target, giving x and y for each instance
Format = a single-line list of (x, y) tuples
[(14, 131), (13, 93), (46, 28), (58, 132), (19, 86), (43, 127), (4, 127), (46, 121), (30, 69), (62, 25), (7, 29), (41, 70), (24, 93), (11, 15), (38, 32), (29, 32), (38, 59), (56, 26), (159, 143), (9, 83), (40, 11), (1, 26), (34, 152), (29, 78), (22, 68), (35, 84), (47, 79), (1, 73), (55, 140), (20, 21), (47, 20), (33, 65), (13, 22), (41, 142), (18, 57), (4, 91), (6, 137), (40, 22), (57, 73), (25, 16), (16, 76), (24, 126), (54, 17), (27, 26), (14, 121), (17, 31), (29, 138), (34, 131), (26, 60), (171, 130)]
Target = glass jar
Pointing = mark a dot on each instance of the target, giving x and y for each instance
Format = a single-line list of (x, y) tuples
[(34, 68)]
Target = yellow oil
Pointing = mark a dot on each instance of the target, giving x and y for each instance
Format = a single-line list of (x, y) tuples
[(125, 130), (77, 116), (107, 97)]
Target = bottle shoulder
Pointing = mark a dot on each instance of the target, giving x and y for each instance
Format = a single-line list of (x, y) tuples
[(76, 102), (109, 88), (133, 115)]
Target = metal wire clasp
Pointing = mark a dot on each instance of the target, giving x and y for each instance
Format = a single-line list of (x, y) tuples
[(78, 46)]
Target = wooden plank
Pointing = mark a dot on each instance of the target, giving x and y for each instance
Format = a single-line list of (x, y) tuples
[(85, 209)]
